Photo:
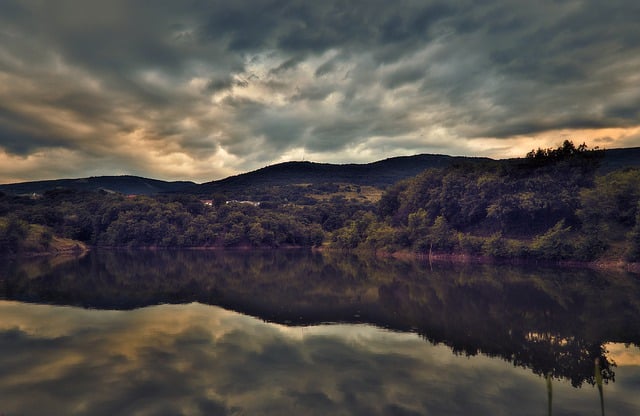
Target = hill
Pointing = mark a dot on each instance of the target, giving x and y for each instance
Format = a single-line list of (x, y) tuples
[(303, 178), (125, 184), (378, 174), (615, 159)]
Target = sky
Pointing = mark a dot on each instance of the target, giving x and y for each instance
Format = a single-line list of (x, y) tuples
[(200, 90)]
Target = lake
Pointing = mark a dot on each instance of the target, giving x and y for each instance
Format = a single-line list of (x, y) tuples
[(304, 333)]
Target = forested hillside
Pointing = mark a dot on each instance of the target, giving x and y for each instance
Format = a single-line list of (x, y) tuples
[(554, 204), (550, 205)]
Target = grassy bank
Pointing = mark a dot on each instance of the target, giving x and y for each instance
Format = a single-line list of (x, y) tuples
[(20, 238)]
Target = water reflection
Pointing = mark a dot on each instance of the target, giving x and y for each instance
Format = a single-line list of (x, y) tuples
[(556, 323), (196, 359)]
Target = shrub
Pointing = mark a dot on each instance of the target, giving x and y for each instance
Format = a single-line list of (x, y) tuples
[(555, 244)]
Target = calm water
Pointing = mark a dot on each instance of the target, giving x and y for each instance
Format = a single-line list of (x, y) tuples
[(290, 332)]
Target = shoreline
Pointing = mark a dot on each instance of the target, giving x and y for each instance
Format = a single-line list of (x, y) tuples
[(76, 251), (618, 265), (462, 258), (457, 258)]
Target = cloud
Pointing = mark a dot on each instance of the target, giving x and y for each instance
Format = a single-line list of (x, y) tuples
[(238, 85)]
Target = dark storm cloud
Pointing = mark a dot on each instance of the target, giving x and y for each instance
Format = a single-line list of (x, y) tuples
[(25, 134), (204, 82), (402, 76), (304, 27), (220, 84), (624, 111), (313, 93)]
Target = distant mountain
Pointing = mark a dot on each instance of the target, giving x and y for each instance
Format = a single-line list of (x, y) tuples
[(615, 159), (123, 184), (378, 174)]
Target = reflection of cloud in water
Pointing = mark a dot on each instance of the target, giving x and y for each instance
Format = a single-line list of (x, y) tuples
[(624, 355), (196, 359)]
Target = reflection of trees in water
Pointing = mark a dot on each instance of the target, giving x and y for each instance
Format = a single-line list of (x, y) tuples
[(561, 341), (598, 372), (549, 394), (554, 322), (601, 376)]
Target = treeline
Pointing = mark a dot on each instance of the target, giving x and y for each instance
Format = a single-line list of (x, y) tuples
[(114, 220), (549, 205)]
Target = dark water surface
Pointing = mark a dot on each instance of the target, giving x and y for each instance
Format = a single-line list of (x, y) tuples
[(294, 332)]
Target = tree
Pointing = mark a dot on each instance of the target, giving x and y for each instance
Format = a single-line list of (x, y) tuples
[(442, 235), (12, 234), (256, 234), (347, 237), (633, 253), (495, 246), (555, 244), (614, 197), (418, 226), (380, 235)]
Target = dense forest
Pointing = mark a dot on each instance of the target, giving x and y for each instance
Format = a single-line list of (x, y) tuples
[(554, 204), (115, 220), (551, 205)]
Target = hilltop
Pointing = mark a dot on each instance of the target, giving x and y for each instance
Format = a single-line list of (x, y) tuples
[(288, 180), (125, 184), (616, 159), (295, 180), (377, 174)]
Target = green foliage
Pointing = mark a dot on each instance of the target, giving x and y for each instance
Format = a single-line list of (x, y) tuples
[(633, 252), (613, 199), (165, 221), (382, 236), (470, 244), (495, 246), (17, 237), (389, 203), (346, 237), (355, 232), (442, 236), (516, 198), (418, 226), (544, 206), (555, 244), (13, 233), (549, 205), (588, 246)]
